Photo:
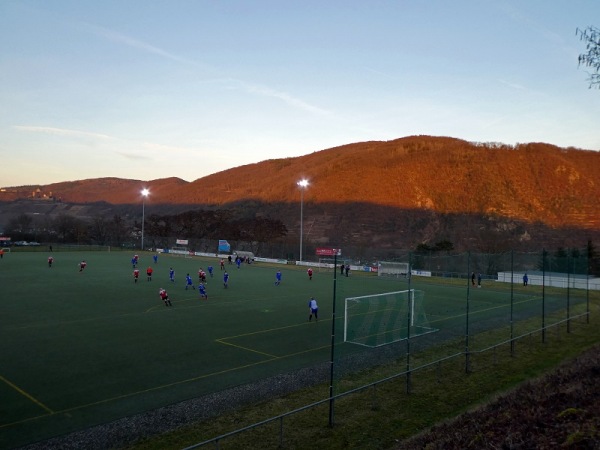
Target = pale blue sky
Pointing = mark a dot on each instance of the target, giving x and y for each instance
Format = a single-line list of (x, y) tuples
[(146, 89)]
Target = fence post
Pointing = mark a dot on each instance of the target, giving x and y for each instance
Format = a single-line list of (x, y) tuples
[(587, 287), (512, 302), (409, 320), (543, 296), (467, 355), (332, 359), (281, 432), (374, 403), (569, 264)]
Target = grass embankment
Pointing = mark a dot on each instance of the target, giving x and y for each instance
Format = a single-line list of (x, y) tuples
[(383, 416)]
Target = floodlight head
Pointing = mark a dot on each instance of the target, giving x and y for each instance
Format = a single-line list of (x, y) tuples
[(302, 183), (145, 192)]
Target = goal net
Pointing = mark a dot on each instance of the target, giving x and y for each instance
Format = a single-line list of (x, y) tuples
[(327, 264), (393, 269), (381, 319), (180, 250)]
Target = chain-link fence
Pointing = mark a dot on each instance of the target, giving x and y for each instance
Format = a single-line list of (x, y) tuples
[(473, 306)]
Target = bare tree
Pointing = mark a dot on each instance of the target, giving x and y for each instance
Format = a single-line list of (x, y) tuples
[(591, 59)]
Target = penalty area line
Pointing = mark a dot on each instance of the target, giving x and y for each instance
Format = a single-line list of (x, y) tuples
[(246, 349), (25, 394)]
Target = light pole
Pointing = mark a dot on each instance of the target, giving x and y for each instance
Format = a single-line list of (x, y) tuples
[(302, 184), (145, 193)]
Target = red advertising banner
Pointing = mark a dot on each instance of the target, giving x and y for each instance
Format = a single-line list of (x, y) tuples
[(327, 251)]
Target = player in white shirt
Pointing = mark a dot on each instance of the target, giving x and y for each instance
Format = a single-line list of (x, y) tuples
[(314, 309)]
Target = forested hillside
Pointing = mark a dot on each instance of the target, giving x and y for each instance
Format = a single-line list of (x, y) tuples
[(396, 193)]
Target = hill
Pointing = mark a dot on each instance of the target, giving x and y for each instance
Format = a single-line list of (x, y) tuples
[(401, 192)]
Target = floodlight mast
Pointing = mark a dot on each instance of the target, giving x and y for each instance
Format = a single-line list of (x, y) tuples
[(302, 184), (144, 193)]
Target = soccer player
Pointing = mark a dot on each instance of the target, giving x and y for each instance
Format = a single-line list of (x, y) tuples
[(225, 279), (314, 309), (238, 262), (210, 270), (171, 275), (202, 291), (50, 261), (155, 258), (133, 262), (201, 275), (82, 265), (149, 271), (164, 297), (188, 282), (222, 264), (136, 275), (309, 272), (278, 278)]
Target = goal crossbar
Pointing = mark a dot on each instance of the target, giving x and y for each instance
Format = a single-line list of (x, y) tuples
[(381, 319), (393, 268)]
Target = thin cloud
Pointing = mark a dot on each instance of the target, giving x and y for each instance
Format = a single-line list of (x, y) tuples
[(283, 96), (121, 38), (134, 156), (250, 88), (518, 16), (379, 72), (512, 85), (61, 132)]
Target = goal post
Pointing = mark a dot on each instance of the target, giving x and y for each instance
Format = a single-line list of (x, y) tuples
[(381, 319), (393, 269)]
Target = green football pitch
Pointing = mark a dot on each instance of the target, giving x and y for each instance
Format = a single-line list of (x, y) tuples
[(83, 348)]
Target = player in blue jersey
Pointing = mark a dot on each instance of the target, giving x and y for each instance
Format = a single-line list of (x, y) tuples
[(238, 262), (172, 275), (278, 278), (202, 291), (210, 270), (314, 309), (188, 282), (225, 279)]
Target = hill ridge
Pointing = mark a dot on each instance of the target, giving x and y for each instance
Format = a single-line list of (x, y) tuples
[(531, 182)]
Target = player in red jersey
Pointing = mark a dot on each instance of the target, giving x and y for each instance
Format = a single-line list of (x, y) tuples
[(136, 275), (309, 272), (82, 265), (201, 276), (50, 261), (149, 271), (164, 297)]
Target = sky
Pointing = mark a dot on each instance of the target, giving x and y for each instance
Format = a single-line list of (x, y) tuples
[(144, 90)]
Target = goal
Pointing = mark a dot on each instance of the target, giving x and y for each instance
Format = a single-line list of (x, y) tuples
[(393, 269), (328, 264), (180, 250), (6, 249), (381, 319)]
